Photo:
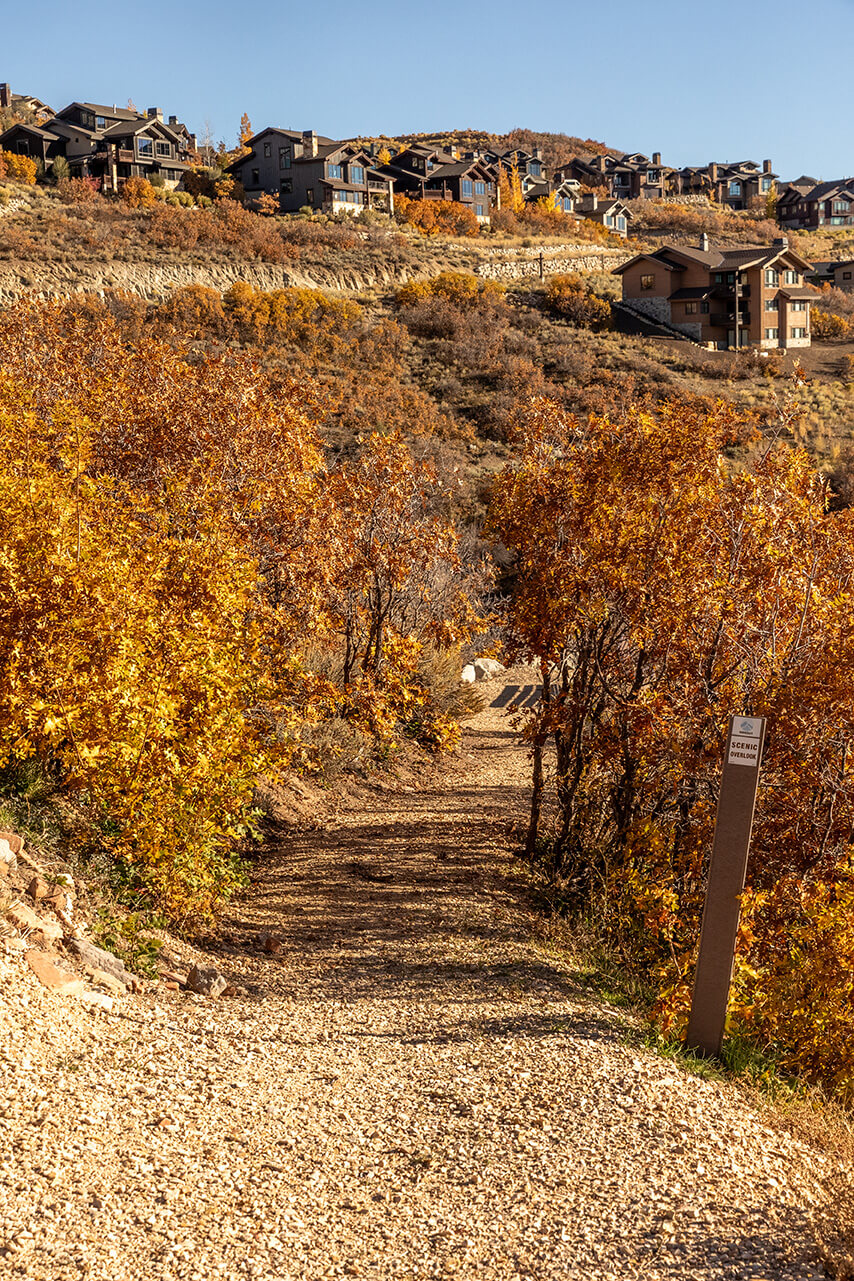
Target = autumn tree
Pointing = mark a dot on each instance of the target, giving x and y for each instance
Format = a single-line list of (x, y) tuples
[(245, 132)]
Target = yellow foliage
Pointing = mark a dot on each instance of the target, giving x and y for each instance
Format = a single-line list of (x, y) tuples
[(660, 592), (19, 168)]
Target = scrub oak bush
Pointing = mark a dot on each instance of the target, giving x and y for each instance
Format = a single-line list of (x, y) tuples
[(175, 548), (659, 591)]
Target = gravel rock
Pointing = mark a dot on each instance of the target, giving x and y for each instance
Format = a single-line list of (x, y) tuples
[(206, 981), (99, 960)]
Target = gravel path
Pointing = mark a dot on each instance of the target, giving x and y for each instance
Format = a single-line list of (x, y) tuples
[(413, 1087)]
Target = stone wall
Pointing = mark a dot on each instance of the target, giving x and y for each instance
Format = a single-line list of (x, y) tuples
[(517, 264)]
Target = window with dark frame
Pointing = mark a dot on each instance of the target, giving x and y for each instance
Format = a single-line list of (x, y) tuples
[(647, 282)]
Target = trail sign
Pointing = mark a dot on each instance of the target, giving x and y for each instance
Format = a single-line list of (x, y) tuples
[(727, 871)]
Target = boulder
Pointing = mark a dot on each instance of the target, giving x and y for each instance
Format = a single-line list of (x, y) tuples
[(487, 668), (96, 959), (38, 888), (469, 675), (15, 842), (206, 981), (52, 976), (8, 858)]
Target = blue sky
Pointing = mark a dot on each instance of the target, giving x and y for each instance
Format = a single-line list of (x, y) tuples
[(764, 79)]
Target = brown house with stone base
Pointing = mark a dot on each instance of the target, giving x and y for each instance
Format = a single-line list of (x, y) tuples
[(723, 298)]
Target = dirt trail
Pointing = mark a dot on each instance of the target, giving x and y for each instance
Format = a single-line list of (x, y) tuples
[(414, 1087)]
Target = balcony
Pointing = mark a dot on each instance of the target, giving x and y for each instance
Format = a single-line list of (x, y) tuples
[(124, 156), (728, 291), (726, 320)]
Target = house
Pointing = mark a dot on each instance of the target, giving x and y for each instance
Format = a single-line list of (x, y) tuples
[(753, 296), (25, 105), (611, 214), (843, 274), (633, 176), (424, 173), (806, 203), (306, 170), (108, 144), (734, 185)]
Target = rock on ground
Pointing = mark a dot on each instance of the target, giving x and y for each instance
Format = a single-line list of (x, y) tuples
[(413, 1087)]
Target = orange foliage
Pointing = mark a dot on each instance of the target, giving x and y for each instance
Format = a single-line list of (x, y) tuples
[(138, 193), (19, 168), (436, 217), (659, 592)]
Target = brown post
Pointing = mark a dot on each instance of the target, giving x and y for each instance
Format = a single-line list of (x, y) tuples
[(727, 871)]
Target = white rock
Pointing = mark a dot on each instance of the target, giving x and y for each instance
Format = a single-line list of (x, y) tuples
[(469, 675), (486, 668)]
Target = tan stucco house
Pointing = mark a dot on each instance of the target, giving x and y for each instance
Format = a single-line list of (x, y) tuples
[(753, 296)]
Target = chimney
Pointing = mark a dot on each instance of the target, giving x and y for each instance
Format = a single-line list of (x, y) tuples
[(713, 172), (704, 243), (766, 166), (656, 158), (538, 153), (782, 242), (5, 96), (173, 120), (601, 163), (309, 142), (155, 113)]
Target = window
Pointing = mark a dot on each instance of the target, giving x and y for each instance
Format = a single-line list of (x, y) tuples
[(767, 184), (772, 277), (652, 175), (144, 147), (846, 275), (268, 148), (480, 188), (770, 304), (284, 157), (798, 305), (798, 333), (772, 333), (309, 195), (467, 186), (162, 149), (357, 173), (255, 178), (791, 278), (704, 308), (336, 171), (837, 222), (690, 309), (647, 282), (286, 186), (567, 204), (100, 122), (479, 210), (536, 168), (840, 206), (735, 188), (621, 223)]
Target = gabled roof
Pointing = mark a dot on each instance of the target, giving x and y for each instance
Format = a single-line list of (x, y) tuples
[(668, 256), (44, 134)]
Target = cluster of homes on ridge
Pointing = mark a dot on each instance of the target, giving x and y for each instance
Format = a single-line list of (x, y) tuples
[(721, 298)]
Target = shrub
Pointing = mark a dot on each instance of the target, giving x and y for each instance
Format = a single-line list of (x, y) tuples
[(20, 168), (138, 193), (659, 591), (436, 217), (59, 169), (567, 296), (77, 191), (827, 327)]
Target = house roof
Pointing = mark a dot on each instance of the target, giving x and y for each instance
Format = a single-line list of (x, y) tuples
[(798, 291), (718, 259), (35, 129)]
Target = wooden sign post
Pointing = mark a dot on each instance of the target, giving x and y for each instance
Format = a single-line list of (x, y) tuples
[(727, 872)]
